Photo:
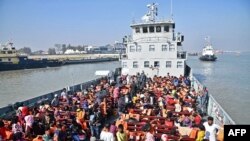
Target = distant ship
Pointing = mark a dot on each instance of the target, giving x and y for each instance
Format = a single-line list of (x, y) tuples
[(208, 53), (11, 60)]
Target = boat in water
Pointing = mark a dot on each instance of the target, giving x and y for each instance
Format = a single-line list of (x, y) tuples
[(10, 59), (154, 65), (208, 53)]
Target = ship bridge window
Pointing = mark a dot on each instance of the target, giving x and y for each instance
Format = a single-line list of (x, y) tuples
[(158, 28), (179, 64), (151, 48), (145, 29), (168, 64), (156, 64), (132, 48), (164, 47), (135, 64), (124, 64), (151, 29), (166, 28), (146, 64), (138, 48), (137, 30), (171, 48)]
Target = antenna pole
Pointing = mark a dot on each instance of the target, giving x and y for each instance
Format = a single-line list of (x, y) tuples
[(171, 9)]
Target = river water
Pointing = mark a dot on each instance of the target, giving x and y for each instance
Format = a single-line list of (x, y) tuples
[(227, 79), (24, 84)]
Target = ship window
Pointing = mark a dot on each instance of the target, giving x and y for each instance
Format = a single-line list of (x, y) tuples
[(135, 64), (146, 64), (166, 28), (151, 29), (0, 60), (137, 30), (151, 48), (156, 64), (179, 64), (138, 48), (164, 48), (145, 29), (124, 64), (171, 48), (168, 64), (158, 28), (9, 59), (9, 52), (132, 48)]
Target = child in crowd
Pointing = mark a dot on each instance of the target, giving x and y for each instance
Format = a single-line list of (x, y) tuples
[(121, 135)]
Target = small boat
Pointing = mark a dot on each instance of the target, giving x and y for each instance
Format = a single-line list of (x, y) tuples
[(208, 52)]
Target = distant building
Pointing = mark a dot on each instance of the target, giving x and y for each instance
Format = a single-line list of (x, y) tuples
[(89, 48), (71, 51), (119, 47), (106, 49)]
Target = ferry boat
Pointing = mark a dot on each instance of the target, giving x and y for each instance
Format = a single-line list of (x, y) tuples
[(153, 50), (208, 53), (10, 59)]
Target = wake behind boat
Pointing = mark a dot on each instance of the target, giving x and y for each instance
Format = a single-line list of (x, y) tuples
[(208, 52)]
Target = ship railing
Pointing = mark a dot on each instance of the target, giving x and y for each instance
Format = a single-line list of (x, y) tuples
[(212, 108), (215, 110), (159, 20), (9, 111), (150, 39)]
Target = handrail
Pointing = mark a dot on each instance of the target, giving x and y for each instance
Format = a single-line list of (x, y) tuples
[(223, 117), (9, 110), (214, 109), (149, 39)]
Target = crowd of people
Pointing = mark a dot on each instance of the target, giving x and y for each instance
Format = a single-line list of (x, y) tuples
[(131, 108)]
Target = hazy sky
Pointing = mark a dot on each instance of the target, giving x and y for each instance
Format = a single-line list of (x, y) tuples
[(40, 24)]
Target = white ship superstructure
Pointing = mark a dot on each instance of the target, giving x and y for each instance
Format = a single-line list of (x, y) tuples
[(208, 53), (154, 47)]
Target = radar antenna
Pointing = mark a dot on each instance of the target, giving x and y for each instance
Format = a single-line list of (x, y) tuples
[(152, 13), (207, 39)]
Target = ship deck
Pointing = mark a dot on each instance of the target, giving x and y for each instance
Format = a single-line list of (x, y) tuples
[(159, 106)]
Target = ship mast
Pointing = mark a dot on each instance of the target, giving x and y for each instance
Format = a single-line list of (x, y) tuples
[(171, 9), (152, 13), (207, 41)]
